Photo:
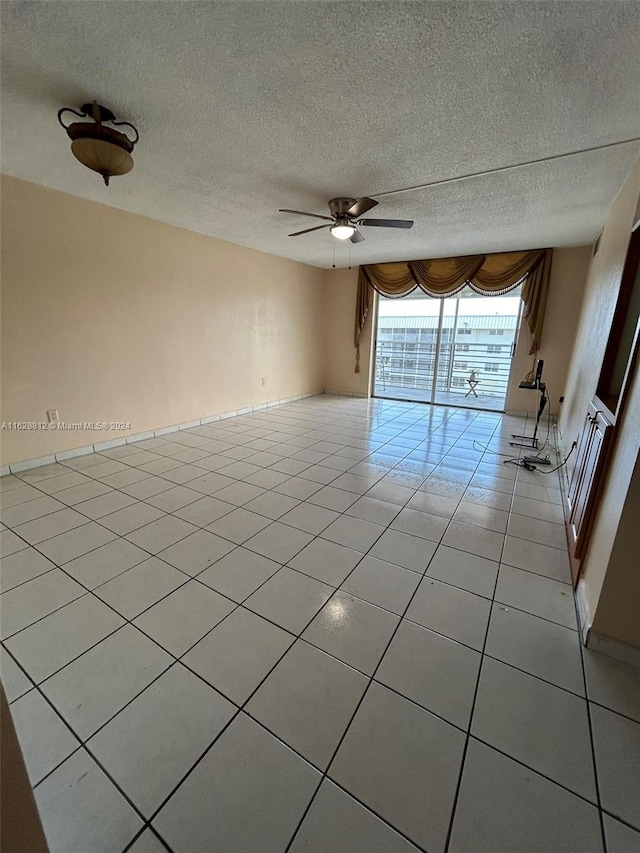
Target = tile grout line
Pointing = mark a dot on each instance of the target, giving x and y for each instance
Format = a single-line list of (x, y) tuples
[(83, 743), (191, 576), (183, 485), (358, 706), (463, 762), (97, 521), (154, 832), (194, 576), (594, 763), (241, 709), (251, 695), (360, 495)]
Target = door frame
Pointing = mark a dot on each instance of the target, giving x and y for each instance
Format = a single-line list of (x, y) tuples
[(599, 409)]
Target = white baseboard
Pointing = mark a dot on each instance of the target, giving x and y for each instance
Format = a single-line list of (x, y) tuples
[(613, 648), (518, 413), (528, 413), (338, 393), (584, 613), (598, 642), (27, 464)]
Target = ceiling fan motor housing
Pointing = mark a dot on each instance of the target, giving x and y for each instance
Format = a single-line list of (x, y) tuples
[(340, 206)]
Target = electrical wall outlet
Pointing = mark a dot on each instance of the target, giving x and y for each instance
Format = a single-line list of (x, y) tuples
[(52, 416), (264, 380)]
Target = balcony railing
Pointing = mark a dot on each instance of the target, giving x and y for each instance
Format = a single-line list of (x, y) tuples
[(410, 366)]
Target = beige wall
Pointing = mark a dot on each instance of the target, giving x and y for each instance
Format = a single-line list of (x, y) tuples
[(114, 317), (610, 584), (111, 316), (617, 614), (566, 290), (601, 292), (340, 356)]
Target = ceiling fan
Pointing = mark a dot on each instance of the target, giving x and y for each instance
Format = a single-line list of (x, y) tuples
[(344, 219)]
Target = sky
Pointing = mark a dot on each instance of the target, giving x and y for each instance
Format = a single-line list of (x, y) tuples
[(469, 307)]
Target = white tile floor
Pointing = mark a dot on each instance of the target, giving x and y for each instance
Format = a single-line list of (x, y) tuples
[(338, 626)]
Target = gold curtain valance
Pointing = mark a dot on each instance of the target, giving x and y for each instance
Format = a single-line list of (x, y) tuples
[(491, 275)]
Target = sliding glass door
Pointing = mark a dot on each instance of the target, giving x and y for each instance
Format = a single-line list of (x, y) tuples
[(455, 351)]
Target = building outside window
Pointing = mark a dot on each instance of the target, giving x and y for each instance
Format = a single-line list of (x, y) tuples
[(461, 331)]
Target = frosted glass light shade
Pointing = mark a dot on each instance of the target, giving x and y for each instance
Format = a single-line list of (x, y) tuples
[(102, 156), (342, 232)]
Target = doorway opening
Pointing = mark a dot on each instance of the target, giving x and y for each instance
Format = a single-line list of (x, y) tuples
[(454, 351)]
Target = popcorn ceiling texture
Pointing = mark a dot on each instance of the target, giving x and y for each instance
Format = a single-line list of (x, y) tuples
[(247, 107)]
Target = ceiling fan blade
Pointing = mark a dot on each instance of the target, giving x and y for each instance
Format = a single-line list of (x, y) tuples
[(387, 223), (307, 230), (361, 205), (356, 237), (303, 213)]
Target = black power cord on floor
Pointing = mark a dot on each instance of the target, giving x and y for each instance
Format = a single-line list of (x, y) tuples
[(530, 466), (562, 464), (520, 463)]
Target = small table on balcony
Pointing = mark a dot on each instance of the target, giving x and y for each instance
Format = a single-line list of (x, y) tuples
[(472, 383)]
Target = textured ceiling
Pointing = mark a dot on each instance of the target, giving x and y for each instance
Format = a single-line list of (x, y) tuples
[(246, 107)]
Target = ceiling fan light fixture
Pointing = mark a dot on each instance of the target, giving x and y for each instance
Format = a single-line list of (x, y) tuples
[(345, 218), (342, 230), (99, 148)]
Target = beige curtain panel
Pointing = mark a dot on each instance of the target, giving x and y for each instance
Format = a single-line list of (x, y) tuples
[(491, 275)]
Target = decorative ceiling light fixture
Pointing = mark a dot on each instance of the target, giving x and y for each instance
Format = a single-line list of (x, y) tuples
[(103, 149)]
